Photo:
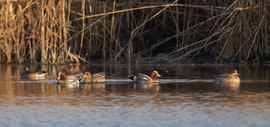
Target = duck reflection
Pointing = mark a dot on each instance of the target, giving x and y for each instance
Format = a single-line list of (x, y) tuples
[(94, 87), (226, 86), (204, 86), (32, 78), (146, 87), (70, 87)]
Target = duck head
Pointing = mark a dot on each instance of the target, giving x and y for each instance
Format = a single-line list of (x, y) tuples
[(62, 76), (234, 73), (87, 75), (154, 74)]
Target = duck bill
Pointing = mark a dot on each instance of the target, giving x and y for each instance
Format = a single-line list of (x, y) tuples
[(159, 76)]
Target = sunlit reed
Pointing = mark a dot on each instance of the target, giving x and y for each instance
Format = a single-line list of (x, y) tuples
[(59, 31)]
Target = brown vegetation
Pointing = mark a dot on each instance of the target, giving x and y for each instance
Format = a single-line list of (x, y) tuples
[(54, 31)]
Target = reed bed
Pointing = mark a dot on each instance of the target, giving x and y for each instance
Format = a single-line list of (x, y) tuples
[(59, 31)]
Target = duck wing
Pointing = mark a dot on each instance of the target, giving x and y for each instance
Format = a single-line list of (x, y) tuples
[(99, 75), (223, 77), (133, 75), (30, 71), (139, 77)]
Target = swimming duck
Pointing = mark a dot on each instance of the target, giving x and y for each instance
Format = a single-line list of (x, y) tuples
[(139, 77), (97, 77), (232, 77), (33, 74), (66, 76)]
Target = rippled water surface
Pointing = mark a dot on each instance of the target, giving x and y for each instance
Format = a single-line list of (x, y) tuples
[(185, 96)]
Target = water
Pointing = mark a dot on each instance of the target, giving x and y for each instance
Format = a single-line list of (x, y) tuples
[(185, 96)]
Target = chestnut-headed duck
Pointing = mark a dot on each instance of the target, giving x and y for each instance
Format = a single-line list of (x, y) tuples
[(97, 77), (33, 73), (66, 76), (139, 77), (232, 77)]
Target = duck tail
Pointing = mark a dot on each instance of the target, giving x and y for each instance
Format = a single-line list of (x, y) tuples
[(134, 74), (211, 76), (104, 74), (81, 77), (131, 77)]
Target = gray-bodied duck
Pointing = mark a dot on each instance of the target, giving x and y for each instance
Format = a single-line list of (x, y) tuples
[(139, 77), (66, 76), (28, 73)]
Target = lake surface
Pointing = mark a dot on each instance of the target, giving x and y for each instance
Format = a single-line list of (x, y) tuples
[(185, 96)]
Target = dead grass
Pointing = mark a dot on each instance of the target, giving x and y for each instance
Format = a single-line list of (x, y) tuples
[(54, 31)]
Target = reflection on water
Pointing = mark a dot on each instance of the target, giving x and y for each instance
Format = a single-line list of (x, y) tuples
[(195, 101), (146, 87), (228, 86), (70, 87), (32, 78), (93, 87)]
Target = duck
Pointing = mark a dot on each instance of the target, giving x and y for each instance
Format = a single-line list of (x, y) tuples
[(66, 76), (28, 73), (97, 77), (139, 77), (232, 77), (67, 72)]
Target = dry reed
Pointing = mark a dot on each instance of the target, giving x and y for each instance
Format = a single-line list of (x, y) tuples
[(57, 31)]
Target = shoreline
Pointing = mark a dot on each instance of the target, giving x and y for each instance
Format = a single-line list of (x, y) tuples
[(148, 61)]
